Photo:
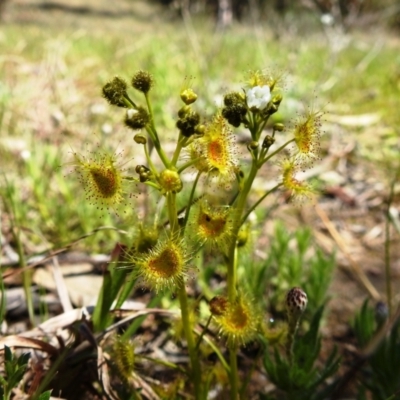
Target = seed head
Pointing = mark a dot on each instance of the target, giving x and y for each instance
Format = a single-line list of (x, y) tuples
[(188, 122), (136, 118), (296, 303), (235, 108), (114, 92), (142, 81)]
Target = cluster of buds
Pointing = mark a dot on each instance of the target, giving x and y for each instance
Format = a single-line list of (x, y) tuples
[(189, 120)]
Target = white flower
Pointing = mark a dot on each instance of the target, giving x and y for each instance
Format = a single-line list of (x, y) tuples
[(258, 97), (131, 112)]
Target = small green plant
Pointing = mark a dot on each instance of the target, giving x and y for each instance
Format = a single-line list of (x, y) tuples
[(295, 373), (380, 371), (204, 185), (14, 370), (292, 260)]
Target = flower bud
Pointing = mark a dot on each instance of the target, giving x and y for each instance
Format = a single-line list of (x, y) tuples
[(199, 130), (277, 99), (268, 142), (141, 168), (170, 181), (137, 118), (278, 127), (183, 111), (115, 91), (253, 145), (140, 139), (187, 124), (188, 96), (142, 81), (233, 98), (218, 305), (243, 236), (296, 303)]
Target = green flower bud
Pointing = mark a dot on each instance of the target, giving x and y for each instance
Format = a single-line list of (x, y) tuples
[(200, 129), (235, 114), (188, 96), (114, 92), (187, 125), (277, 99), (253, 145), (268, 142), (233, 98), (184, 111), (170, 181), (137, 118), (140, 139), (278, 127), (142, 81), (139, 169), (144, 176)]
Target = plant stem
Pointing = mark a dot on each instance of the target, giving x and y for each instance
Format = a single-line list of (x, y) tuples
[(190, 202), (151, 130), (233, 376), (183, 301), (187, 328), (181, 142), (264, 160), (254, 206), (240, 205)]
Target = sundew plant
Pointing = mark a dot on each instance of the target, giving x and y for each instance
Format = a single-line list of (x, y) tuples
[(162, 256)]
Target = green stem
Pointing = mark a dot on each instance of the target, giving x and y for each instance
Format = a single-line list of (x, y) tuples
[(162, 362), (172, 213), (187, 328), (187, 165), (200, 338), (232, 267), (293, 326), (233, 376), (189, 206), (151, 130), (240, 205), (149, 161), (181, 143), (255, 205), (183, 301), (217, 351), (264, 160)]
